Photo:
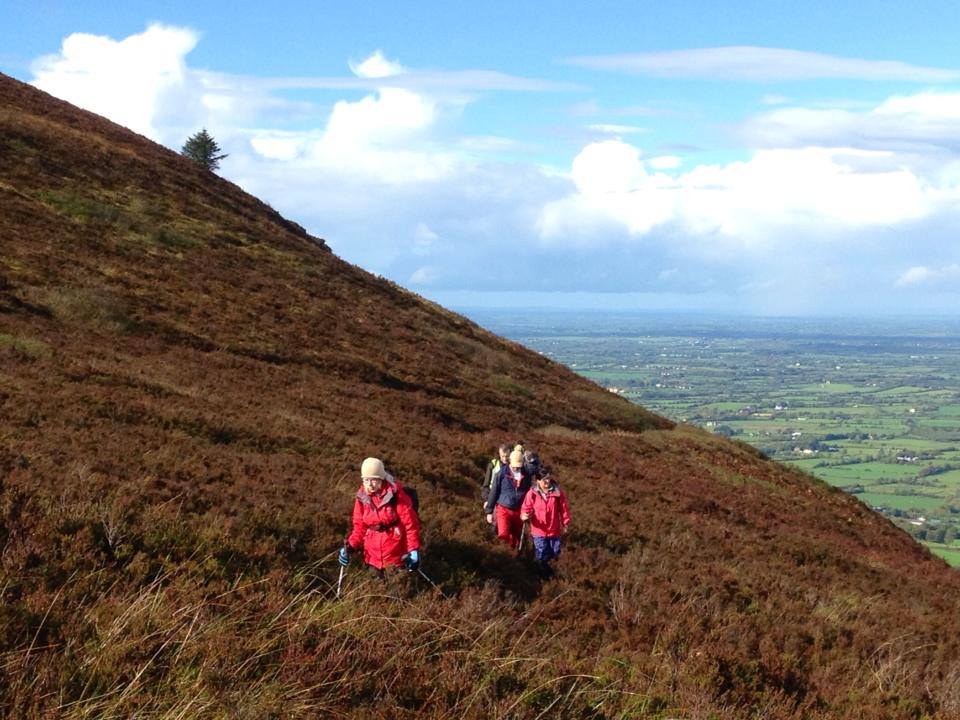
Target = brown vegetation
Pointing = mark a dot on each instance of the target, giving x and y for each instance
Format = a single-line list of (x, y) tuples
[(188, 383)]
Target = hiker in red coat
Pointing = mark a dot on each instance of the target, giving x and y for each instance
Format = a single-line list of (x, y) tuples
[(546, 507), (385, 523)]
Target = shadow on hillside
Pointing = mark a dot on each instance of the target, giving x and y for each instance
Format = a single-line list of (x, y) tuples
[(455, 565)]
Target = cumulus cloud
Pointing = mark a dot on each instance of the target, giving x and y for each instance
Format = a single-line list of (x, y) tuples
[(376, 66), (744, 202), (383, 175), (127, 81), (761, 64), (666, 162)]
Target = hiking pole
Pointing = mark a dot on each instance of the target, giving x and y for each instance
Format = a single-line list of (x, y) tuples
[(435, 586), (523, 530), (340, 580)]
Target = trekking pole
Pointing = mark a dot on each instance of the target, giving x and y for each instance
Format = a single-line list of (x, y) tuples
[(435, 586), (340, 580), (523, 530)]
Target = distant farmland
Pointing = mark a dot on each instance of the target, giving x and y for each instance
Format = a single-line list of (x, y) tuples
[(869, 406)]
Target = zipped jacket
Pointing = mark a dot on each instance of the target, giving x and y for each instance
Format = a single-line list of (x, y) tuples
[(385, 525), (548, 511), (506, 492)]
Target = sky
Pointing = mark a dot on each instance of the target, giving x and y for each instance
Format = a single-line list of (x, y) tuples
[(762, 158)]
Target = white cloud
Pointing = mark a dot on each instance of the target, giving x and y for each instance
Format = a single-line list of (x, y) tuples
[(425, 275), (385, 178), (922, 121), (610, 129), (746, 203), (277, 145), (126, 81), (666, 162), (424, 239), (376, 66), (921, 275), (761, 64), (383, 74), (384, 137)]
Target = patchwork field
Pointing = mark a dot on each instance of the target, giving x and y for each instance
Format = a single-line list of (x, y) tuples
[(872, 407)]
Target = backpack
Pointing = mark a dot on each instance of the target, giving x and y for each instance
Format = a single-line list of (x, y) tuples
[(497, 466), (414, 498)]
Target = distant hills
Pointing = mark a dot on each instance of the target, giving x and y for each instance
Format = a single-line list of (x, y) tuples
[(188, 383)]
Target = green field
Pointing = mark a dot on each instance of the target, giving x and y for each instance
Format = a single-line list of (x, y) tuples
[(870, 406), (901, 502), (950, 554)]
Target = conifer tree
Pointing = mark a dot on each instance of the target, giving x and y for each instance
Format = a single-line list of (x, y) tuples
[(203, 149)]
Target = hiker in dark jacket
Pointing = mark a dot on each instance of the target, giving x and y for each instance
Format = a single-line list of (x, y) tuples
[(384, 522), (506, 496), (493, 469)]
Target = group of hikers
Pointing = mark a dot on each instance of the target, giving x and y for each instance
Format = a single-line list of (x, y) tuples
[(516, 489)]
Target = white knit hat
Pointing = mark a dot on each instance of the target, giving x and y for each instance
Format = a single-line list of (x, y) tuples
[(516, 459), (373, 467)]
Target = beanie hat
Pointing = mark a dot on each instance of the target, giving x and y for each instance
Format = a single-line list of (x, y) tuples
[(516, 459), (373, 467)]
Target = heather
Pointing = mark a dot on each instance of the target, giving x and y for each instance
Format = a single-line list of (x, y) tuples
[(188, 384)]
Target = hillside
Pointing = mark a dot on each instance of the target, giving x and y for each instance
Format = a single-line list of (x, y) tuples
[(188, 384)]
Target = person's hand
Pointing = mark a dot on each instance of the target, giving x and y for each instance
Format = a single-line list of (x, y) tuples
[(344, 555), (524, 518), (565, 528), (412, 560), (490, 518)]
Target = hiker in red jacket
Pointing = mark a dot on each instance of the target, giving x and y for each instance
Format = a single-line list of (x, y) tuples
[(546, 507), (385, 523)]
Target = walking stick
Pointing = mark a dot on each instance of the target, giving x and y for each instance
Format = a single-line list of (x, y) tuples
[(340, 580), (435, 586), (523, 530)]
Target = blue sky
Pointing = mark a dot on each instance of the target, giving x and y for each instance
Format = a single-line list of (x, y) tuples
[(747, 157)]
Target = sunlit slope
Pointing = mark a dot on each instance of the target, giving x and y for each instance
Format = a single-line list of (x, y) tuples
[(188, 383)]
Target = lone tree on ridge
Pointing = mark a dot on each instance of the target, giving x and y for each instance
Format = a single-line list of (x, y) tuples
[(203, 149)]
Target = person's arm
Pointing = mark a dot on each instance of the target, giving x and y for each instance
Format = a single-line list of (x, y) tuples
[(487, 479), (494, 494), (564, 510), (526, 509), (409, 520), (355, 538)]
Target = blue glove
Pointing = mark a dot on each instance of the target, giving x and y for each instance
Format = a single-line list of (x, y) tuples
[(344, 557), (412, 560)]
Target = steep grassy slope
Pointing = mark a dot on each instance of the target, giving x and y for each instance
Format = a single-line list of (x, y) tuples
[(188, 383)]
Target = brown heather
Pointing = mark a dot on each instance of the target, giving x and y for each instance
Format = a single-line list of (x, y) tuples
[(188, 383)]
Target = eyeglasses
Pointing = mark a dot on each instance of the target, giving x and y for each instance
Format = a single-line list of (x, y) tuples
[(372, 481)]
